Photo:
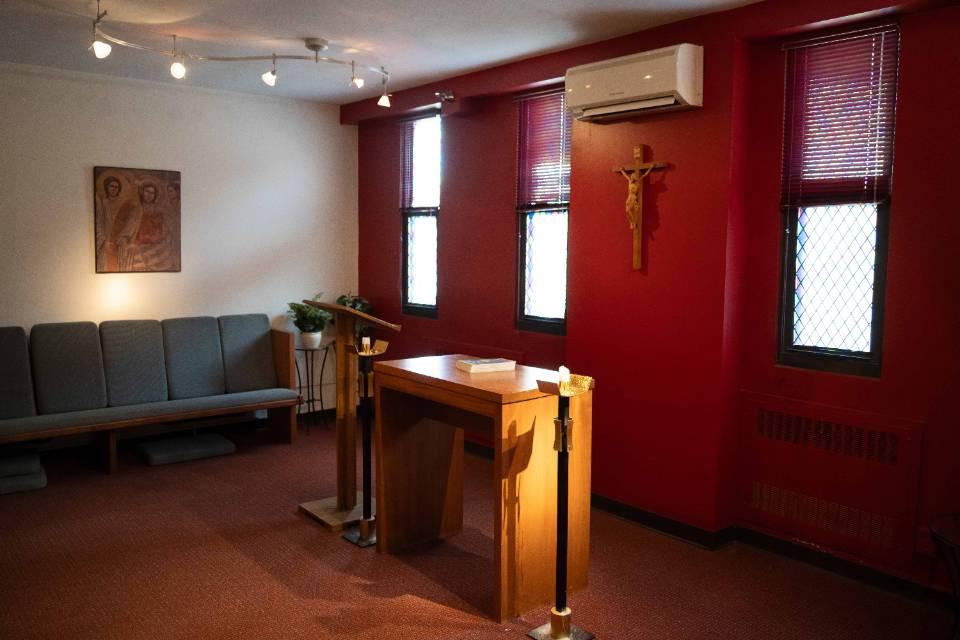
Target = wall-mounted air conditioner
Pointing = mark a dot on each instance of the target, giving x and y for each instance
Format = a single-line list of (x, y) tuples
[(659, 80)]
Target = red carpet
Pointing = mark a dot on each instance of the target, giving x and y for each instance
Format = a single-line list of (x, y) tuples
[(216, 549)]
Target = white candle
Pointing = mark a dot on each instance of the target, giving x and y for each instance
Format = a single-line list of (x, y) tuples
[(366, 344), (564, 374)]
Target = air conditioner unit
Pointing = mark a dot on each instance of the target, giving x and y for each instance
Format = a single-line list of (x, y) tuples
[(658, 80)]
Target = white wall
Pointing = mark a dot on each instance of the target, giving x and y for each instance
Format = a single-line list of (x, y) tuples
[(269, 197)]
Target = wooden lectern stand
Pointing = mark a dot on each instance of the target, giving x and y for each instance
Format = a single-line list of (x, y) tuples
[(342, 510)]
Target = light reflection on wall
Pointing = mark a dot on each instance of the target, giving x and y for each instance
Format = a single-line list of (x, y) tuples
[(117, 293)]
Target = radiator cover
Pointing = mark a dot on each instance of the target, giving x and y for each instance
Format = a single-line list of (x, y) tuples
[(832, 477)]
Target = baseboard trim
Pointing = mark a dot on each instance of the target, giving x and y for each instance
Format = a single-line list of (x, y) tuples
[(773, 544), (686, 532)]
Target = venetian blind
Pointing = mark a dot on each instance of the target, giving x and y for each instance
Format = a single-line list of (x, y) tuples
[(839, 119), (544, 163), (420, 168)]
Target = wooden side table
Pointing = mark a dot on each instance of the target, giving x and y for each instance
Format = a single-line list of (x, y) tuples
[(945, 530)]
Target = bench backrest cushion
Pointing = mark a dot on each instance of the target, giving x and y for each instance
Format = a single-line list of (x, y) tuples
[(133, 362), (67, 367), (16, 386), (194, 360), (247, 352)]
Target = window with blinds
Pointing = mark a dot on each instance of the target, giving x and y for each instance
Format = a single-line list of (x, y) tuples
[(837, 178), (420, 208), (543, 201)]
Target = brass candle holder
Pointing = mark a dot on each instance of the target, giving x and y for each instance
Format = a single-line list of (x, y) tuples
[(366, 534), (569, 385)]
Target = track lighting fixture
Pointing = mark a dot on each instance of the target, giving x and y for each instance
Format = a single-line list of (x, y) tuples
[(101, 46), (270, 77), (355, 80), (384, 100), (178, 70)]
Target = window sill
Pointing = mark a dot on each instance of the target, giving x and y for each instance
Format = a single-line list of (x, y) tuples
[(422, 310), (865, 366), (542, 325)]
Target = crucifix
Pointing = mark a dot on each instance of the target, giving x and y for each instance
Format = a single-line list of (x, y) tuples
[(635, 176)]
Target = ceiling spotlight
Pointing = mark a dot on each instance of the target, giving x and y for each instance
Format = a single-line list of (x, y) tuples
[(178, 70), (384, 100), (355, 80), (270, 77), (100, 48)]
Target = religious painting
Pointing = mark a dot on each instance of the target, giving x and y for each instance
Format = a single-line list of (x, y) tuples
[(136, 220)]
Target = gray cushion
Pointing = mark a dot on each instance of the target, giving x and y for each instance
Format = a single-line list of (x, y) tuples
[(133, 362), (20, 465), (247, 352), (67, 367), (16, 386), (191, 348), (169, 450), (29, 482), (36, 424)]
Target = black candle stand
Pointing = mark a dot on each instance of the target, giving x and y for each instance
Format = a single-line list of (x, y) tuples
[(560, 626), (365, 535)]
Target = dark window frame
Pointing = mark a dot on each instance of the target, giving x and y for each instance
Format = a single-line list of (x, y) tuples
[(832, 360), (858, 363), (410, 308), (555, 326), (406, 307)]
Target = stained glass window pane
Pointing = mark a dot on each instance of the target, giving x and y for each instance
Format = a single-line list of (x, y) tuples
[(546, 264), (836, 256), (422, 260)]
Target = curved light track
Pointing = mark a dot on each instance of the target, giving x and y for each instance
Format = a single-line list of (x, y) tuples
[(316, 57)]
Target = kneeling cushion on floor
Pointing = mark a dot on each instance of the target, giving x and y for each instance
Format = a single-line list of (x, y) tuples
[(24, 482), (22, 465), (205, 445)]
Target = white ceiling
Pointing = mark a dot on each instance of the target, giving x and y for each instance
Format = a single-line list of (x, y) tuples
[(418, 41)]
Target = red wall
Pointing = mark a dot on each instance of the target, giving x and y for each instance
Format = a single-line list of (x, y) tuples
[(920, 342), (672, 344)]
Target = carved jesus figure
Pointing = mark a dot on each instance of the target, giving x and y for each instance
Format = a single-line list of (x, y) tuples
[(633, 205)]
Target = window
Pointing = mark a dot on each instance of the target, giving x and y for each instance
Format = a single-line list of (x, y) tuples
[(420, 207), (837, 170), (543, 203)]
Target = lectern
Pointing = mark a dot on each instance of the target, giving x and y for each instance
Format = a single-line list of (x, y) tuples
[(343, 509)]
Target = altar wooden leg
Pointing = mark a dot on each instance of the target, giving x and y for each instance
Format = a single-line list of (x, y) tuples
[(525, 464), (419, 473)]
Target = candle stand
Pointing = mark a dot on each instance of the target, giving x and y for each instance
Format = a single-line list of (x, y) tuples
[(560, 626), (366, 534)]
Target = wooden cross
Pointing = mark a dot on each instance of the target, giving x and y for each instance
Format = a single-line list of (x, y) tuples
[(635, 176)]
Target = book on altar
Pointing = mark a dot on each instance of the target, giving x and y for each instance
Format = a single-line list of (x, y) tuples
[(486, 365)]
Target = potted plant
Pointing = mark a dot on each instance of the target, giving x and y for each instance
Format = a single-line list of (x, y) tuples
[(360, 304), (310, 321)]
